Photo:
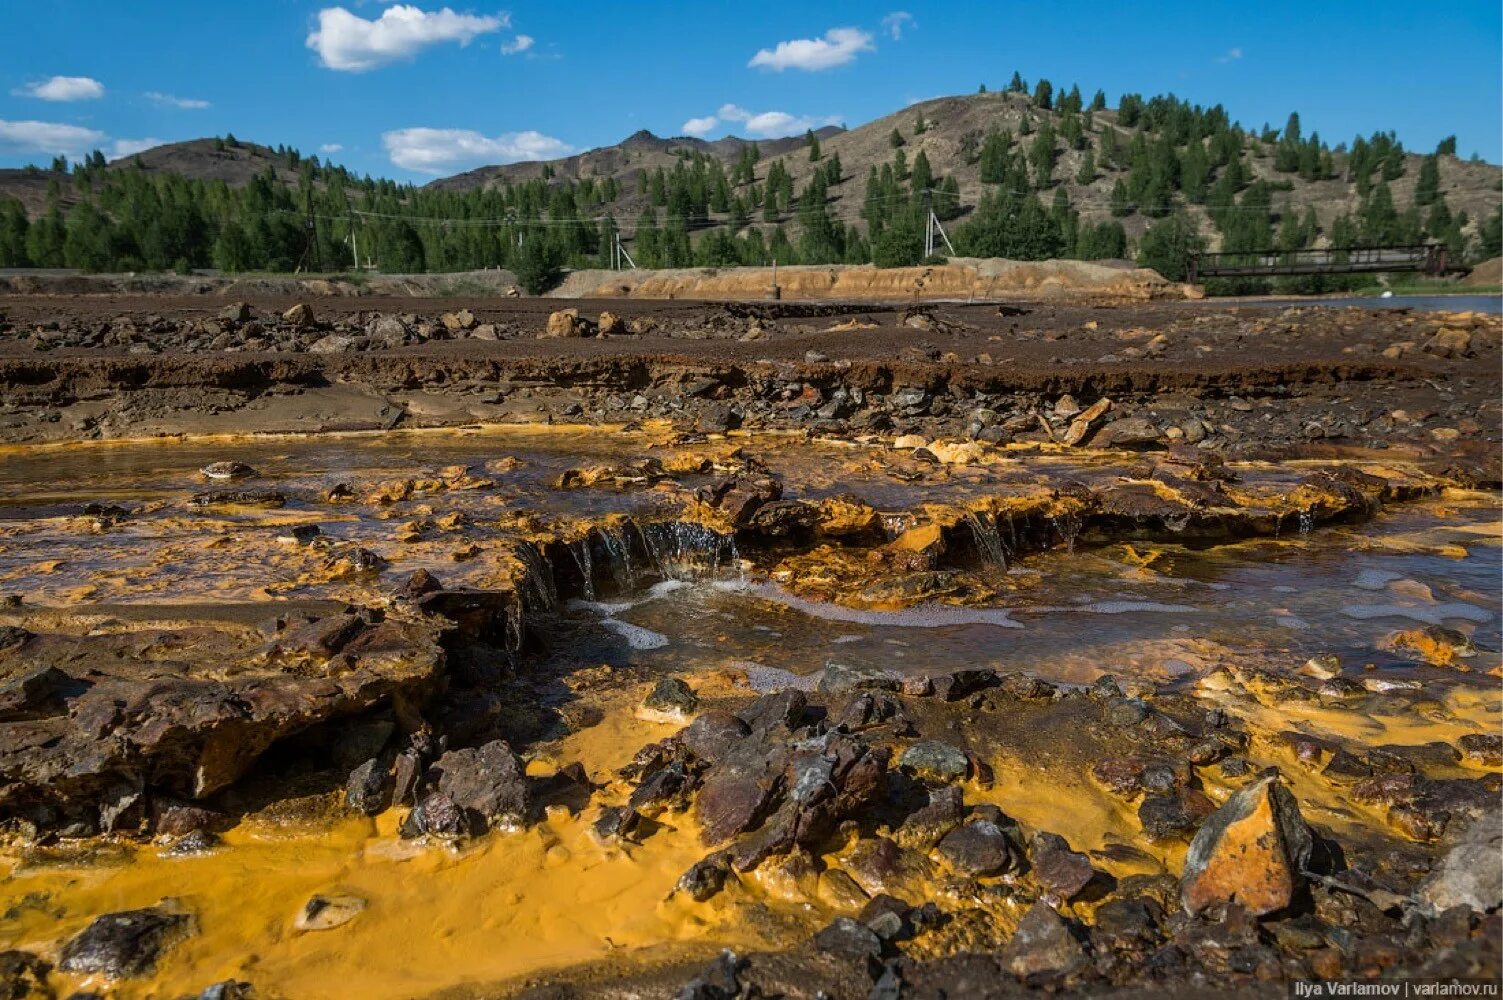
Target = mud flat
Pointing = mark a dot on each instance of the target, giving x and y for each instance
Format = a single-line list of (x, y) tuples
[(689, 662)]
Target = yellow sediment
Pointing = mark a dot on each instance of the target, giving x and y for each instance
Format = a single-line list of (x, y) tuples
[(515, 903)]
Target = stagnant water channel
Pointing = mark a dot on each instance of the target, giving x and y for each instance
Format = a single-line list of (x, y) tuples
[(111, 536)]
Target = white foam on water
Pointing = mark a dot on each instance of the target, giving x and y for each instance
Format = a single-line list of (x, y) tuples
[(1122, 608), (766, 680), (610, 608), (636, 636), (1430, 614), (1289, 621)]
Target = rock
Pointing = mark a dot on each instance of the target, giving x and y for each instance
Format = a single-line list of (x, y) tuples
[(910, 442), (1062, 871), (706, 878), (235, 312), (458, 322), (732, 803), (1043, 946), (300, 316), (369, 788), (717, 418), (389, 331), (611, 325), (670, 701), (978, 848), (23, 976), (839, 678), (1482, 749), (488, 783), (124, 945), (324, 913), (565, 323), (1469, 875), (1127, 432), (1251, 852), (227, 470), (849, 939), (197, 842), (936, 762), (1449, 342), (486, 331), (712, 735), (1086, 421), (719, 981), (439, 816), (926, 826), (334, 343)]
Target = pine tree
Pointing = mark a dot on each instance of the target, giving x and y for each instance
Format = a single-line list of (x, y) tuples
[(812, 141), (1087, 172), (1427, 187), (1043, 94), (896, 140), (1018, 84), (1446, 146), (1098, 102), (1167, 245)]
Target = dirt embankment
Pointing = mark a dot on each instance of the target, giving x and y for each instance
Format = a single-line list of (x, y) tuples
[(963, 278)]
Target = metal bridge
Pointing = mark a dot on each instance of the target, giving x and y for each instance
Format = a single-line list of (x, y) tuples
[(1428, 257)]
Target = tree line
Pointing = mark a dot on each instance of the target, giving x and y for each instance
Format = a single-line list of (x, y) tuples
[(1165, 158)]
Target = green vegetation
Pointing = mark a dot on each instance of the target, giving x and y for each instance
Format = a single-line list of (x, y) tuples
[(1162, 161)]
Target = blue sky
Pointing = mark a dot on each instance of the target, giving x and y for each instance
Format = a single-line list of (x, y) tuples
[(420, 89)]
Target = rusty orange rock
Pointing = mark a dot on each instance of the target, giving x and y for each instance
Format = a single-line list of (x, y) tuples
[(1252, 851)]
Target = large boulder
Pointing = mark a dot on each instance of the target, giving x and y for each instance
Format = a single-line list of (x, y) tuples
[(1252, 852), (1471, 874), (487, 782)]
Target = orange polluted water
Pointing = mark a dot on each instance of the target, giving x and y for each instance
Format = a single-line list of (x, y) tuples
[(513, 904)]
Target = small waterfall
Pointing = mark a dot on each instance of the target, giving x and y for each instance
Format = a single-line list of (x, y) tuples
[(583, 560), (514, 627), (681, 550), (539, 587), (617, 545), (988, 538), (1306, 522), (1068, 526)]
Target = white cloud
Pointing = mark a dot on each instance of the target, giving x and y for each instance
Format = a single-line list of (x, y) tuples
[(331, 147), (169, 101), (345, 41), (700, 126), (434, 150), (130, 147), (519, 44), (838, 47), (896, 22), (766, 124), (63, 88), (1232, 55), (52, 138)]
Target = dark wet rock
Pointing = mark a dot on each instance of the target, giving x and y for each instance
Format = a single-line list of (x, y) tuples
[(1484, 749), (23, 976), (734, 802), (228, 989), (719, 981), (1063, 872), (320, 639), (1122, 924), (176, 818), (865, 710), (369, 787), (439, 816), (1044, 946), (937, 762), (1132, 775), (488, 783), (124, 945), (719, 417), (925, 826), (666, 788), (849, 940), (705, 878), (621, 823), (978, 848), (1252, 852), (1175, 815), (779, 710), (240, 498), (960, 684), (713, 734), (838, 678), (1469, 875), (670, 700), (784, 519), (420, 584), (35, 693)]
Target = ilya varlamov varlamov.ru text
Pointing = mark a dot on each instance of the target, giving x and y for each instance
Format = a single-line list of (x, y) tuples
[(1398, 988)]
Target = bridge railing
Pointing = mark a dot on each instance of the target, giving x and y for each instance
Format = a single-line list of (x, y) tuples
[(1427, 257)]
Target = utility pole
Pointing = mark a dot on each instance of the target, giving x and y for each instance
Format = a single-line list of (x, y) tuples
[(620, 253), (933, 228), (355, 239)]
